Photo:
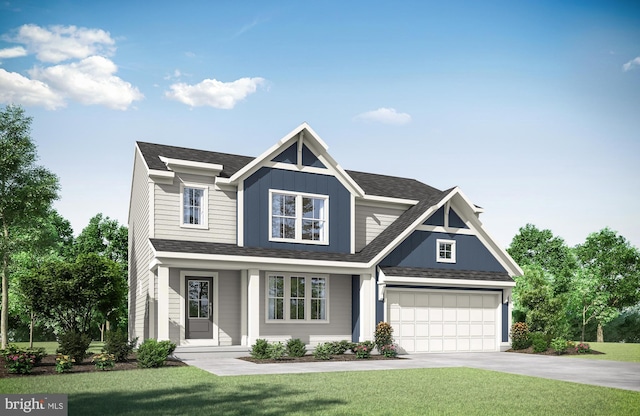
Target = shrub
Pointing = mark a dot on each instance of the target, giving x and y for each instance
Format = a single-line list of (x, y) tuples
[(389, 350), (152, 353), (383, 335), (64, 363), (74, 344), (20, 363), (276, 350), (296, 348), (259, 350), (322, 352), (118, 344), (571, 344), (363, 349), (583, 348), (104, 361), (559, 345), (520, 336), (38, 353), (539, 342), (339, 347)]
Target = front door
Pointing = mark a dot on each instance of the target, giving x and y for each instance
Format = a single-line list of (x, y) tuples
[(199, 308)]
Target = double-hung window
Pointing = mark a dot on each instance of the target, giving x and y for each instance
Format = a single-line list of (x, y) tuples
[(445, 251), (299, 218), (296, 298), (193, 207)]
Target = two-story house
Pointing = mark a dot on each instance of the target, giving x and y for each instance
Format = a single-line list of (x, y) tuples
[(226, 249)]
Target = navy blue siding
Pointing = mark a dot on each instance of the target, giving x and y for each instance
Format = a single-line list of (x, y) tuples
[(257, 218), (419, 250), (505, 321), (310, 159), (355, 308), (289, 155), (455, 221), (436, 219)]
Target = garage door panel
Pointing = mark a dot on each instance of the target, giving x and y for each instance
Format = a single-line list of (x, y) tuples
[(438, 322)]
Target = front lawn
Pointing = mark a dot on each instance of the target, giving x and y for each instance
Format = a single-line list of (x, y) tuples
[(614, 351), (188, 390)]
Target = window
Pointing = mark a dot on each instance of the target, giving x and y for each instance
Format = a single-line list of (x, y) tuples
[(295, 298), (300, 218), (193, 210), (446, 251)]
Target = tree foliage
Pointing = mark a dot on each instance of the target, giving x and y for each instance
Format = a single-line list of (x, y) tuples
[(26, 192), (77, 291), (544, 310)]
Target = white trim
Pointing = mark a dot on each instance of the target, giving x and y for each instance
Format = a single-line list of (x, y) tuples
[(161, 176), (243, 307), (240, 214), (428, 281), (352, 220), (441, 229), (298, 217), (253, 306), (204, 208), (296, 168), (163, 303), (452, 243), (287, 298), (184, 274), (152, 209), (386, 199), (190, 166)]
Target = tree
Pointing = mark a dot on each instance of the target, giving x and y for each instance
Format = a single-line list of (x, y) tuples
[(544, 311), (76, 292), (532, 246), (611, 274), (26, 192)]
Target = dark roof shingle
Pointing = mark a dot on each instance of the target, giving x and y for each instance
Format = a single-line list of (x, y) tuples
[(447, 274)]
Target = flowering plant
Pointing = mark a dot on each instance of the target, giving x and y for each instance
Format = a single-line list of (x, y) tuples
[(389, 351), (20, 363), (363, 349), (104, 361), (583, 348), (64, 363)]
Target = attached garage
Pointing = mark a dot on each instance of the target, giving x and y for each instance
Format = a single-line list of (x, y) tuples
[(444, 321)]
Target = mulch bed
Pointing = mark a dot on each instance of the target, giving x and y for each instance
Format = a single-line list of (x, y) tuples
[(312, 359), (48, 367), (551, 351)]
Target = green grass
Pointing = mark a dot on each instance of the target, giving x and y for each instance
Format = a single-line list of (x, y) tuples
[(190, 391), (94, 348), (613, 351)]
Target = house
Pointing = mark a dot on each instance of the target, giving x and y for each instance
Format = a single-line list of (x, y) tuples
[(226, 249)]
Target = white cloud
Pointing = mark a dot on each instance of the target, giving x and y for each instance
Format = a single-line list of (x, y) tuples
[(15, 88), (214, 93), (89, 81), (385, 115), (59, 43), (176, 75), (13, 52), (631, 64)]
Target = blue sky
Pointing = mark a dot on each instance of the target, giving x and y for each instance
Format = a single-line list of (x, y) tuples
[(533, 108)]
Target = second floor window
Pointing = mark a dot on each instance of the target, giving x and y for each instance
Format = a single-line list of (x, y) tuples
[(194, 207), (299, 217)]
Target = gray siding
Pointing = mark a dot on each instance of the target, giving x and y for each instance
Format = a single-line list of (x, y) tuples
[(229, 307), (419, 250), (222, 212), (139, 251), (371, 221), (257, 221), (176, 331), (338, 328)]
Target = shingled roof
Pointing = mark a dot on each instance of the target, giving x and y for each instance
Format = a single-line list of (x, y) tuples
[(446, 274)]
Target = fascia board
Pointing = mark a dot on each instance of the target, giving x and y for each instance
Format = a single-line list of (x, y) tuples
[(190, 166), (167, 255), (161, 176), (372, 199), (426, 281)]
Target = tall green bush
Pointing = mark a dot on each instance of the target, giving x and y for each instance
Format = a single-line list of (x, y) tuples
[(74, 344), (117, 343), (520, 336)]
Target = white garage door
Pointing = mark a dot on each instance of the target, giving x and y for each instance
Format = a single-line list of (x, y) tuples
[(443, 321)]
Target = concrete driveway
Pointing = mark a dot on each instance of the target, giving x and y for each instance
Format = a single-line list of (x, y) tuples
[(621, 375)]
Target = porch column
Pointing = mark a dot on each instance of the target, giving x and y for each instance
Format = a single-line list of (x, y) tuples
[(367, 307), (253, 306), (152, 304), (243, 308), (163, 303)]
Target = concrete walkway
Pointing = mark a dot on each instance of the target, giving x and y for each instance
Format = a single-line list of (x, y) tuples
[(621, 375)]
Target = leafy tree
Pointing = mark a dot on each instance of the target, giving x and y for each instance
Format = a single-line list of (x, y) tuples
[(107, 238), (544, 311), (611, 275), (26, 193), (76, 292), (532, 246)]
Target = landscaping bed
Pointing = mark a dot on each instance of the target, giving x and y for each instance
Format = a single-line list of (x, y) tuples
[(551, 351), (48, 367), (312, 359)]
